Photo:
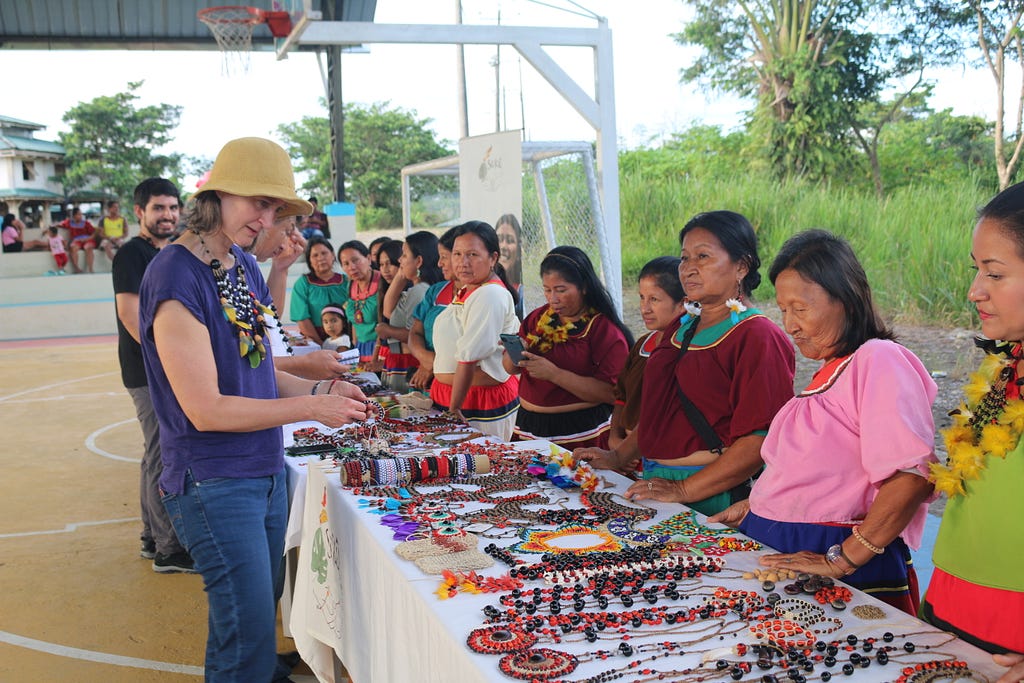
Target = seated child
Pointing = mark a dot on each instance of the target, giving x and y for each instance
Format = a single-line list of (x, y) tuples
[(111, 230), (337, 327), (60, 256), (81, 236)]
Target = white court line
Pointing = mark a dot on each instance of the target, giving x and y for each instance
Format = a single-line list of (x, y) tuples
[(101, 657), (56, 384), (70, 527), (90, 442), (62, 397)]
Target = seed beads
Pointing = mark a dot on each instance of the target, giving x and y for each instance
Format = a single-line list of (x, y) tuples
[(868, 612)]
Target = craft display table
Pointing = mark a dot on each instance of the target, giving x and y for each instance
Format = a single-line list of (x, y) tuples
[(355, 599)]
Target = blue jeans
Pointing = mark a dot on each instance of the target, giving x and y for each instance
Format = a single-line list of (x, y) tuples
[(234, 529)]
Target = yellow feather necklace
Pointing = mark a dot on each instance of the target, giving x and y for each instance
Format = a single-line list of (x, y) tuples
[(988, 423)]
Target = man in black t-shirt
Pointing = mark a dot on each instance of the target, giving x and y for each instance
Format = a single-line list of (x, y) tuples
[(157, 205)]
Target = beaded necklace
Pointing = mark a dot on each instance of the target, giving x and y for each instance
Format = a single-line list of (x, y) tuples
[(242, 309), (550, 330), (361, 304), (989, 423)]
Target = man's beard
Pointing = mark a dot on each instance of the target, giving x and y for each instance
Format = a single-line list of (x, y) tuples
[(156, 229)]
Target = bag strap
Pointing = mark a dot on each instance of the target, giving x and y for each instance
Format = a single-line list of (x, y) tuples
[(693, 414)]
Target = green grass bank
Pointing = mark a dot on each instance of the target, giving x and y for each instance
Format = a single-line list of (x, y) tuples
[(914, 244)]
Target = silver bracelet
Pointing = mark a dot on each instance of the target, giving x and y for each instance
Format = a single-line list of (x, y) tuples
[(316, 385)]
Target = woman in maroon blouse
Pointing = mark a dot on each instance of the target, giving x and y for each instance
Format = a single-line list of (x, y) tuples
[(727, 359), (575, 348)]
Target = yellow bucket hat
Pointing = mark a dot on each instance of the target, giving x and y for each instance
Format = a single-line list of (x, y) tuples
[(257, 167)]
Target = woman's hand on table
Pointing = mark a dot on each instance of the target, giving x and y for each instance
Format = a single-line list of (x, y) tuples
[(601, 459), (422, 377), (657, 489), (455, 414), (539, 367), (803, 561), (733, 515), (1015, 662)]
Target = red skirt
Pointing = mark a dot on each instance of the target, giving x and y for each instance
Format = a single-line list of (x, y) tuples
[(482, 404), (989, 618)]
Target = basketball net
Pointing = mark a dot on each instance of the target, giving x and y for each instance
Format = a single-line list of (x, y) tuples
[(232, 27)]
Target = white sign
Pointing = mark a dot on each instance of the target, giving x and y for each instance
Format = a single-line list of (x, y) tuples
[(491, 176)]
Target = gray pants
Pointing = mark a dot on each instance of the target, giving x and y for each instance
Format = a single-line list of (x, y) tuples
[(156, 524)]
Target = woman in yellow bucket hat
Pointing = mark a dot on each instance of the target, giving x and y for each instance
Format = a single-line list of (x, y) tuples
[(221, 404)]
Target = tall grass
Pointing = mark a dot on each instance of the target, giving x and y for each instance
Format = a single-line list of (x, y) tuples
[(914, 244)]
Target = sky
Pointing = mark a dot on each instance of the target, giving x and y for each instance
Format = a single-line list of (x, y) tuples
[(651, 103)]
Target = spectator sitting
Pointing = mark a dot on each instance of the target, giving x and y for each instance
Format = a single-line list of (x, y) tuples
[(111, 232), (60, 256), (13, 234), (81, 235), (337, 327), (316, 223)]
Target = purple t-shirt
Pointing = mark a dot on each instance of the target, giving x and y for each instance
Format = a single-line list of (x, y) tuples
[(176, 274)]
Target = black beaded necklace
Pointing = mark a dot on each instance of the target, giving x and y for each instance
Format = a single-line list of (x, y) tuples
[(241, 308)]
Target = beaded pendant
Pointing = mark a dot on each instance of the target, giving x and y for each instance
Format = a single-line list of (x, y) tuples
[(243, 311), (538, 664)]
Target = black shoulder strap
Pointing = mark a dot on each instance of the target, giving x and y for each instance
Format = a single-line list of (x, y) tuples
[(693, 414)]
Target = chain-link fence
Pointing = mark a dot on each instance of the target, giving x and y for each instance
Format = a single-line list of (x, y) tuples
[(560, 205)]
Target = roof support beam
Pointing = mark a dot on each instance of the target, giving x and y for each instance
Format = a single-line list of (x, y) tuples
[(597, 111)]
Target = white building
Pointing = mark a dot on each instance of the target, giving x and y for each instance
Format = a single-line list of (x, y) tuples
[(28, 168)]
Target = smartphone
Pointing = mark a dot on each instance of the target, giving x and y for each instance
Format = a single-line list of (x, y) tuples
[(513, 344)]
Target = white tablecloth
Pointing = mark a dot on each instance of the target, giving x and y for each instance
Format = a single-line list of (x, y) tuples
[(355, 597)]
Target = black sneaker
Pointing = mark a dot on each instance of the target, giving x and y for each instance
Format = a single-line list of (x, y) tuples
[(148, 550), (180, 563)]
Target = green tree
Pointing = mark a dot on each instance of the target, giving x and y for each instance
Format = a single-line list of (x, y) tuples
[(309, 144), (697, 152), (809, 65), (925, 147), (998, 35), (111, 142), (379, 141)]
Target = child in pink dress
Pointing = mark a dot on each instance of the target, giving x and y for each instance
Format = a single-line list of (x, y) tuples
[(60, 255)]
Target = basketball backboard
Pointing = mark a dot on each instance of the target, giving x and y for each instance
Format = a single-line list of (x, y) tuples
[(301, 13)]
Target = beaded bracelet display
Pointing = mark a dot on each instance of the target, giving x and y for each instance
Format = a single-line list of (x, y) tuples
[(682, 563), (400, 471)]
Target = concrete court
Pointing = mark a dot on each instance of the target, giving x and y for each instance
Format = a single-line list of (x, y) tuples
[(77, 602)]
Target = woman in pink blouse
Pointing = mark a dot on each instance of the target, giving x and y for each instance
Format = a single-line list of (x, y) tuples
[(844, 490)]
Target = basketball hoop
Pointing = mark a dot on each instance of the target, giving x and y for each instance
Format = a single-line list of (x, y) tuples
[(232, 27)]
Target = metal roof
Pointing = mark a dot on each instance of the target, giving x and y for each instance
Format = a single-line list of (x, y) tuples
[(136, 24), (27, 193), (10, 121), (22, 144)]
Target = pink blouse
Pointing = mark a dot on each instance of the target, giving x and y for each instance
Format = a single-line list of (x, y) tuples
[(829, 448)]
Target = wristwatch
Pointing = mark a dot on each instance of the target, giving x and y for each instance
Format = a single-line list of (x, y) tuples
[(834, 554)]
